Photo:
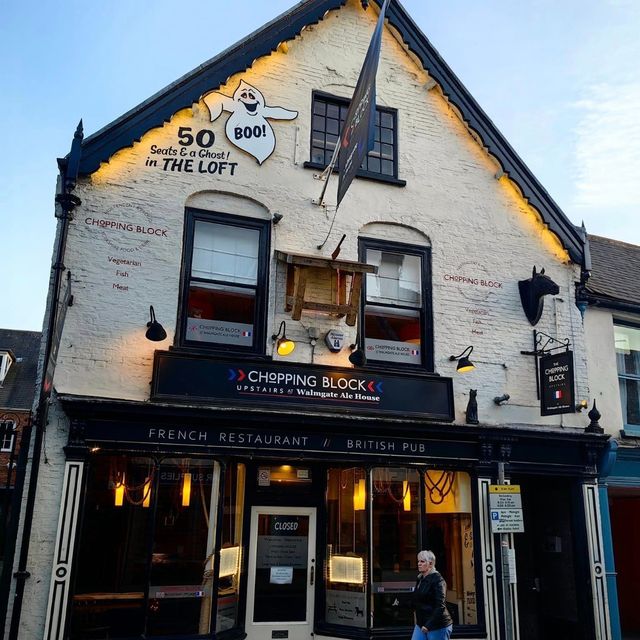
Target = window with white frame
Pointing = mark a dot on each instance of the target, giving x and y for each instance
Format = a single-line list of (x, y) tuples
[(225, 282), (7, 435), (396, 322), (627, 344)]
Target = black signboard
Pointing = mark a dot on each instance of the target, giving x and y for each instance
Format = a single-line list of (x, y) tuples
[(556, 379), (271, 439), (189, 378)]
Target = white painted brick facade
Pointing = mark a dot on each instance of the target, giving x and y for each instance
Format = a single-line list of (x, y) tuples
[(477, 226)]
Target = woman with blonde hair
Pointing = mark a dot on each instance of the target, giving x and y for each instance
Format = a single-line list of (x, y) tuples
[(433, 621)]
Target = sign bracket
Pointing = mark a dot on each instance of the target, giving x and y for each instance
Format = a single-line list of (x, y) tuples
[(544, 344)]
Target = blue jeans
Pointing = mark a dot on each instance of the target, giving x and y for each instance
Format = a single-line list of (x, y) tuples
[(438, 634)]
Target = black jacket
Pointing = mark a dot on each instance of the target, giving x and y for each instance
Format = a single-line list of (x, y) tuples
[(429, 597)]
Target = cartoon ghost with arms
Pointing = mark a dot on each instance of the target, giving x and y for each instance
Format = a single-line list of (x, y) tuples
[(247, 127)]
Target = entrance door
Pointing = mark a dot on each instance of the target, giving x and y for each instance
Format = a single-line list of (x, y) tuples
[(549, 603), (281, 573)]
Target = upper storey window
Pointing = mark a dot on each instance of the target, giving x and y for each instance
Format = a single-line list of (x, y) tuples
[(627, 340), (397, 329), (329, 113), (226, 276)]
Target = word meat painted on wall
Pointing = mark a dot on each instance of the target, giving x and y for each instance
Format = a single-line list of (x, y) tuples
[(247, 127)]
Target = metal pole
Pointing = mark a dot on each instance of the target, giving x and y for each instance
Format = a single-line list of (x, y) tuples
[(506, 581)]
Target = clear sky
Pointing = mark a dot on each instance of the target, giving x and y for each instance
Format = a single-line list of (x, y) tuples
[(559, 78)]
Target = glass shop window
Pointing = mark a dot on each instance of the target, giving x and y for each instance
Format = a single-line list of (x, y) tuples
[(627, 342), (450, 537), (395, 535), (230, 548), (346, 568), (179, 593), (225, 283), (113, 549), (395, 318), (145, 555)]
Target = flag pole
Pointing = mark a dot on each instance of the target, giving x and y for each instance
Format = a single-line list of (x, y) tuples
[(328, 171)]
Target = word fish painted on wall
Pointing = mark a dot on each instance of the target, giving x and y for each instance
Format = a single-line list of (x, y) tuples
[(247, 127)]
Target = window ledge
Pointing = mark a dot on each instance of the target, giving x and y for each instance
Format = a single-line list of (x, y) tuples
[(365, 175), (630, 432)]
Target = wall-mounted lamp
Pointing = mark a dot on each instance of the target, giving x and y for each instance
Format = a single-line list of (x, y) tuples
[(284, 346), (464, 364), (155, 331), (502, 399), (276, 217), (357, 357), (583, 404)]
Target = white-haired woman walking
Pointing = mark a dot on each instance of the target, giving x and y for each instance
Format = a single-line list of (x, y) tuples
[(433, 621)]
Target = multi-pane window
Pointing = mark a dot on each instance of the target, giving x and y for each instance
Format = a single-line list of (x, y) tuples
[(627, 343), (329, 114), (7, 435), (225, 283), (395, 318)]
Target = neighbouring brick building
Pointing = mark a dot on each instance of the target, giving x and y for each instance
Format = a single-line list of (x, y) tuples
[(18, 368), (204, 480)]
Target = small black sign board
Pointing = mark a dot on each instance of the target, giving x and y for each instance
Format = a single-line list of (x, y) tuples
[(556, 379), (190, 378)]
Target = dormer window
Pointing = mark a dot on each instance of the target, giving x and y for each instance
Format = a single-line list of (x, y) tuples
[(6, 360)]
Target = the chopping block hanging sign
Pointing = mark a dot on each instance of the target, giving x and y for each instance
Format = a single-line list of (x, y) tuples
[(557, 384), (247, 127)]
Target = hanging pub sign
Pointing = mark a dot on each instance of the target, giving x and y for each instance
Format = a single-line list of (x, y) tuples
[(556, 382)]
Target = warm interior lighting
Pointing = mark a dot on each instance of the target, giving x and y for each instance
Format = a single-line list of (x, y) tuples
[(464, 364), (186, 489), (406, 492), (119, 492), (359, 495), (346, 569), (229, 561), (284, 346), (146, 493)]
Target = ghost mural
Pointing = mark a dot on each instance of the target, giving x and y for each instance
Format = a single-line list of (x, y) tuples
[(247, 127)]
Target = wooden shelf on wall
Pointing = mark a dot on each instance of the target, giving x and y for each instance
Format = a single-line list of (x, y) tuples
[(325, 285)]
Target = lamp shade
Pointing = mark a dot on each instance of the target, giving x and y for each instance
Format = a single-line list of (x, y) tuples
[(155, 331), (284, 346), (464, 365)]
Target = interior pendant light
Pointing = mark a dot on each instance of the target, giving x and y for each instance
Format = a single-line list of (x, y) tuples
[(146, 493), (186, 489), (119, 492), (406, 493), (359, 495), (464, 364), (284, 346)]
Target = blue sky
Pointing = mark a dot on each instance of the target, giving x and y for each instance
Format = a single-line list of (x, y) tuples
[(560, 79)]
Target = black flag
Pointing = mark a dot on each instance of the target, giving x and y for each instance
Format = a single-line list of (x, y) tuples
[(356, 138)]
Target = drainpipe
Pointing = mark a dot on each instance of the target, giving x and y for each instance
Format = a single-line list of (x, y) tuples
[(66, 202), (605, 467)]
